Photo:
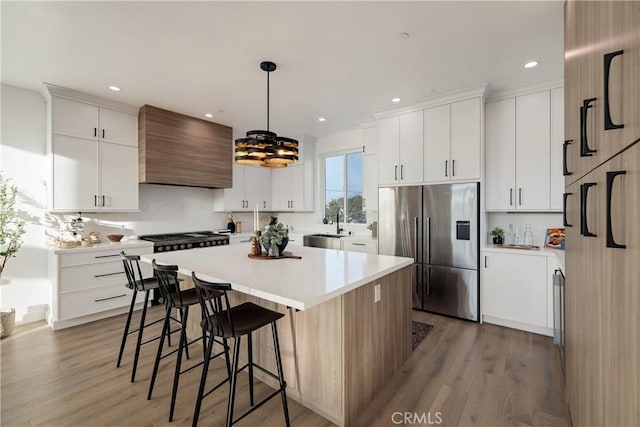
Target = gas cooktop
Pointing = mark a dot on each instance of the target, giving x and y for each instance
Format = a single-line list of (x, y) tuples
[(189, 240)]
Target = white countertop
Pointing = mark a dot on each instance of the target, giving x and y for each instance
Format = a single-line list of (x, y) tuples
[(321, 274), (104, 246)]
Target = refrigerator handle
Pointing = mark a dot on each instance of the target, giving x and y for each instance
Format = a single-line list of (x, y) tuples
[(428, 238), (417, 225), (427, 283)]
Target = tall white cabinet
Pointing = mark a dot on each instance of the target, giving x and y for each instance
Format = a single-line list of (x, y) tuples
[(93, 147), (400, 148), (523, 152)]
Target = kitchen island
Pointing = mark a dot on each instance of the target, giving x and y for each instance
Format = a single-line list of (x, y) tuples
[(347, 328)]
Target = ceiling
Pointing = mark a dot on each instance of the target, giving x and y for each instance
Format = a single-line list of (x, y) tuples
[(339, 60)]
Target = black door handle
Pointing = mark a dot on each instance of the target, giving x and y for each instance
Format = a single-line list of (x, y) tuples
[(102, 133), (446, 167), (608, 123), (453, 168), (584, 192), (95, 132), (585, 151), (565, 196), (610, 177), (565, 145)]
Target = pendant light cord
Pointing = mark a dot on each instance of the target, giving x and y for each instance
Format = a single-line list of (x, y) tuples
[(268, 72)]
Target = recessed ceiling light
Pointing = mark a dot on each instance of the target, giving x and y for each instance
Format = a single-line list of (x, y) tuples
[(208, 115), (404, 35), (114, 88), (322, 119), (531, 64), (395, 100)]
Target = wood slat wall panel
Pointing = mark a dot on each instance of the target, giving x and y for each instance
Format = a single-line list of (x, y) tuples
[(176, 149)]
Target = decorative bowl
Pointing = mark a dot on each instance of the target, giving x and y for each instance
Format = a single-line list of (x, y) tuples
[(115, 238)]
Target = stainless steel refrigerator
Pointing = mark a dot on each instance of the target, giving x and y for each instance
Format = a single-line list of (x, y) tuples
[(438, 226)]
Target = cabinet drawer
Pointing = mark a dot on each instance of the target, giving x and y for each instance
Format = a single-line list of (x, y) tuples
[(90, 276), (368, 246), (94, 301), (107, 255)]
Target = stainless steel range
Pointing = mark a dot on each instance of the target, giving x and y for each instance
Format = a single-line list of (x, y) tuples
[(180, 241)]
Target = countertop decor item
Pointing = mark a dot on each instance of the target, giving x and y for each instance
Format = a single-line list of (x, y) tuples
[(282, 255), (555, 238), (263, 147), (115, 238), (525, 247), (275, 237), (498, 235)]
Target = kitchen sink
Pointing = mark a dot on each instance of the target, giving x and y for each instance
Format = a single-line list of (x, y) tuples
[(322, 240)]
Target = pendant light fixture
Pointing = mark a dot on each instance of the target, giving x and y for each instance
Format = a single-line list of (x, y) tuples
[(263, 147)]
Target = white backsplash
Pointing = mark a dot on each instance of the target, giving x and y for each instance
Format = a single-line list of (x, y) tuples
[(539, 222)]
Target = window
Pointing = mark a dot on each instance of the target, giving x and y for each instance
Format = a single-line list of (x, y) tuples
[(343, 188)]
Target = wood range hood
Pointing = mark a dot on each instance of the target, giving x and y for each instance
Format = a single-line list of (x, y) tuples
[(176, 149)]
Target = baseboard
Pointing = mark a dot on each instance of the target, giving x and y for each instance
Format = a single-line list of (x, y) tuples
[(518, 325), (56, 325)]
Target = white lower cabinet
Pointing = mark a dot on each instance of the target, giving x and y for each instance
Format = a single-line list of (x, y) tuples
[(517, 290), (89, 284), (359, 244)]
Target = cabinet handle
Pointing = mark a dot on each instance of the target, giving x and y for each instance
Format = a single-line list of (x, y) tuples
[(401, 172), (565, 196), (364, 202), (511, 197), (108, 274), (95, 132), (95, 200), (565, 145), (103, 200), (102, 133), (108, 298), (264, 204), (485, 261), (358, 244), (608, 123), (584, 193), (395, 174), (106, 256), (520, 196), (446, 168), (585, 151), (610, 242), (453, 168), (292, 204)]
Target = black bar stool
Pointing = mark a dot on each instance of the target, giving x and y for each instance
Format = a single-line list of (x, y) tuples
[(181, 300), (221, 320), (137, 283)]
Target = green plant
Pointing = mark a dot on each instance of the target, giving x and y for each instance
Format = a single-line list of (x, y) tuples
[(275, 232), (497, 232), (370, 226), (11, 225)]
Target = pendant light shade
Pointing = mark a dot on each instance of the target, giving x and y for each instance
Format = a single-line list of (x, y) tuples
[(263, 147)]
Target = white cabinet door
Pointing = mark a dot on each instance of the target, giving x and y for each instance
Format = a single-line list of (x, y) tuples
[(266, 189), (119, 176), (514, 288), (388, 150), (234, 199), (436, 148), (370, 182), (465, 139), (500, 155), (73, 118), (557, 139), (252, 187), (533, 151), (118, 127), (281, 189), (75, 174), (296, 177), (370, 140), (411, 147)]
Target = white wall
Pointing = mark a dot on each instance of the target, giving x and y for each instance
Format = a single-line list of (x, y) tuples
[(23, 159)]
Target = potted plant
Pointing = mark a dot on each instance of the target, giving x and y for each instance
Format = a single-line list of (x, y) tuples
[(498, 235), (11, 231), (275, 237)]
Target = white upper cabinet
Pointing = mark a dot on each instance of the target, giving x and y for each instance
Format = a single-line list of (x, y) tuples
[(94, 155), (388, 150), (289, 190), (251, 188), (533, 133), (523, 157), (370, 140), (370, 182), (465, 139), (557, 140), (436, 149)]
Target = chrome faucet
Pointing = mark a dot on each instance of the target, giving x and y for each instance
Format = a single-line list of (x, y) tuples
[(338, 229)]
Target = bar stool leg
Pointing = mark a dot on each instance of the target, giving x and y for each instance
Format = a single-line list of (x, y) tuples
[(165, 328), (250, 351), (203, 379), (234, 377), (126, 328), (226, 356), (283, 384), (181, 345), (143, 317)]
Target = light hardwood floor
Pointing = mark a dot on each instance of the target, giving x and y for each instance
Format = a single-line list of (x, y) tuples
[(472, 374)]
